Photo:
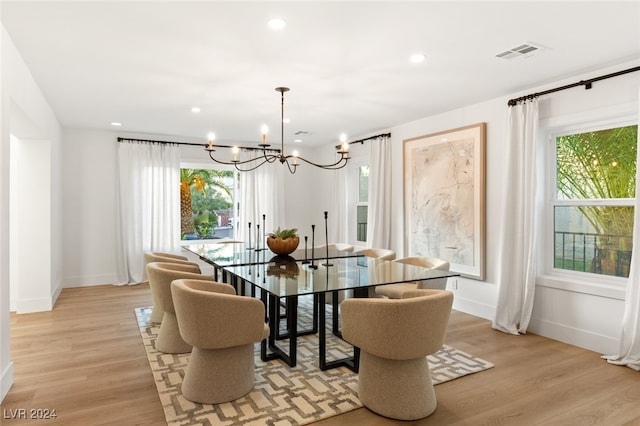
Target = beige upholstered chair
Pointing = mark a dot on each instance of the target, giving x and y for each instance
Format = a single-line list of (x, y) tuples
[(335, 246), (164, 257), (160, 276), (395, 336), (378, 253), (222, 328), (154, 256), (320, 252), (395, 291)]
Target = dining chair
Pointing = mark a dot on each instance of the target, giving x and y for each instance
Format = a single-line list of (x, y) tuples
[(378, 253), (222, 329), (335, 246), (155, 256), (160, 276), (339, 296), (396, 291), (395, 336), (348, 248)]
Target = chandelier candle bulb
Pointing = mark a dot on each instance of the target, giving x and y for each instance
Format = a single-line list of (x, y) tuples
[(264, 129), (211, 136), (235, 151), (295, 158)]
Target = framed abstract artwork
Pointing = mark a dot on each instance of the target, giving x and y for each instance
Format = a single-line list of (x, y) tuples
[(444, 198)]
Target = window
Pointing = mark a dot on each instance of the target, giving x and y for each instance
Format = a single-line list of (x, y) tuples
[(206, 203), (593, 196), (362, 203)]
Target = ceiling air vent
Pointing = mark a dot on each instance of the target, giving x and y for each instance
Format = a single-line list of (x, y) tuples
[(524, 50)]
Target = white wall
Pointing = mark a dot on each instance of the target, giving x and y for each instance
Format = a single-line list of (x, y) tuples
[(6, 365), (89, 206), (307, 197), (30, 213), (26, 114)]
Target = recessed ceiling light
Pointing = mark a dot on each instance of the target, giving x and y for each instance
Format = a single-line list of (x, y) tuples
[(276, 23), (297, 140), (416, 58), (116, 124), (195, 110)]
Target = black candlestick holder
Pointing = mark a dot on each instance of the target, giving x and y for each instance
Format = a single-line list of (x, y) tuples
[(326, 241), (249, 246), (313, 243), (306, 259), (258, 237), (264, 232)]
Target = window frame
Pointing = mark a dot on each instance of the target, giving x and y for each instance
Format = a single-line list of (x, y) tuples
[(353, 200), (235, 198), (360, 203), (548, 274)]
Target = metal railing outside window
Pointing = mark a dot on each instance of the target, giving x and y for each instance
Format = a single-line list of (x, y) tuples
[(605, 254)]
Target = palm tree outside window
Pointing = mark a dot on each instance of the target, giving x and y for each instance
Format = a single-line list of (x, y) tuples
[(206, 203)]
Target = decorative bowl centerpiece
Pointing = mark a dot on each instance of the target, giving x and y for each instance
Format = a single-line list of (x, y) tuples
[(283, 266), (283, 241)]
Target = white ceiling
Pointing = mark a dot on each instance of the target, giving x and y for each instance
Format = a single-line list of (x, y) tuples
[(146, 64)]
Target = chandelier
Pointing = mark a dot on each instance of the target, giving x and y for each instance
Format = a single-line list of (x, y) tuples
[(268, 156)]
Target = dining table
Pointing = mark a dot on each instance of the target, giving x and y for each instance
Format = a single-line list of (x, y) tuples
[(276, 279), (237, 253)]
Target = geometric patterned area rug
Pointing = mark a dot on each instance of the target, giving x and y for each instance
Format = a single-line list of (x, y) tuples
[(282, 395)]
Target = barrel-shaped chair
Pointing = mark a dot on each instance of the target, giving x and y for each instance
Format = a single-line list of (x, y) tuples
[(396, 291), (334, 246), (222, 328), (378, 253), (161, 274), (154, 256), (395, 336)]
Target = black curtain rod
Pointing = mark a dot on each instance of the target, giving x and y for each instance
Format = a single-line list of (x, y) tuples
[(249, 148), (586, 83), (362, 141)]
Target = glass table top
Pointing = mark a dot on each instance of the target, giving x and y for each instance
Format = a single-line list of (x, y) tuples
[(288, 277), (228, 254)]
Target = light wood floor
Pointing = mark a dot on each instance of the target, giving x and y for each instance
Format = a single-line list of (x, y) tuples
[(85, 359)]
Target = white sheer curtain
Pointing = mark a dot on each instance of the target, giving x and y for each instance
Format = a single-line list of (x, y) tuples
[(261, 193), (379, 211), (148, 204), (519, 220), (629, 346)]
